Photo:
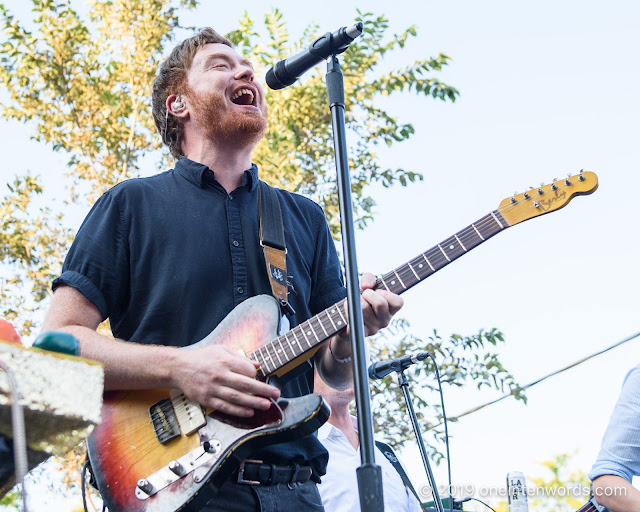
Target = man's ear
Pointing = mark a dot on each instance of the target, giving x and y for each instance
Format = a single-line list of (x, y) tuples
[(175, 106)]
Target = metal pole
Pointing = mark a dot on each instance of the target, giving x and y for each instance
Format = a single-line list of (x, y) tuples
[(19, 435), (404, 385), (369, 474)]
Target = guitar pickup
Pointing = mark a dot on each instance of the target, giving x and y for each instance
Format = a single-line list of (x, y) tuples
[(164, 421), (189, 413), (174, 416)]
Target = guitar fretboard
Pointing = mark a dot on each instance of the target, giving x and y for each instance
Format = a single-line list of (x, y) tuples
[(284, 349)]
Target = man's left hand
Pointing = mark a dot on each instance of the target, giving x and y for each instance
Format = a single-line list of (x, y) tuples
[(378, 307)]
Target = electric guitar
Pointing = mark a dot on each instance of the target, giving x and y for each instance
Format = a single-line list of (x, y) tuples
[(157, 451)]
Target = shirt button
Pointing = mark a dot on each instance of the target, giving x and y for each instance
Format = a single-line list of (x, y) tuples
[(236, 243), (230, 197), (240, 290)]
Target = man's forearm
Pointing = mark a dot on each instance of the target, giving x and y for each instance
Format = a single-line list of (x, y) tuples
[(333, 362), (616, 494), (126, 365)]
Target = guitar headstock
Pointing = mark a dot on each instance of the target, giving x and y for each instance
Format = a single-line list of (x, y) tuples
[(547, 198)]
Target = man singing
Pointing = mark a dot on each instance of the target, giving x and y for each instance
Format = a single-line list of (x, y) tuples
[(166, 258)]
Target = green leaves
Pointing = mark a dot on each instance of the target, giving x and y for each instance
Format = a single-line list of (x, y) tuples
[(84, 88), (33, 242)]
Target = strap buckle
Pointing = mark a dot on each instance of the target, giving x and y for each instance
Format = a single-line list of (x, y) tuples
[(241, 479)]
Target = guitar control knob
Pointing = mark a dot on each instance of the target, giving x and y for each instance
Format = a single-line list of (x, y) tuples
[(176, 468), (527, 196), (212, 446), (145, 486)]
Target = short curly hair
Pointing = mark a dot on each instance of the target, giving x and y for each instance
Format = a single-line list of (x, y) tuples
[(171, 79)]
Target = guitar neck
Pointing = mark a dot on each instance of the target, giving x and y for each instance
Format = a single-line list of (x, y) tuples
[(282, 351), (428, 263)]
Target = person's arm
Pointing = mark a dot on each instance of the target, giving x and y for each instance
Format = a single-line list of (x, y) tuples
[(214, 376), (378, 307), (616, 494)]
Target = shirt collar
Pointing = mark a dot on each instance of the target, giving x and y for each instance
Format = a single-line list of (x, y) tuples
[(325, 431), (199, 174)]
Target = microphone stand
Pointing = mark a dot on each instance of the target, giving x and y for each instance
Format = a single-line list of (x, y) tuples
[(369, 474), (404, 385)]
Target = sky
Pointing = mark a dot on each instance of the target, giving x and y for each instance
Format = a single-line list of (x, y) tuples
[(546, 89)]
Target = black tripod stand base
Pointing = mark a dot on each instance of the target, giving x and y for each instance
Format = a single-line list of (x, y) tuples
[(370, 488)]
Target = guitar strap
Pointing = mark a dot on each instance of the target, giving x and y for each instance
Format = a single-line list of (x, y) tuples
[(273, 244), (391, 457)]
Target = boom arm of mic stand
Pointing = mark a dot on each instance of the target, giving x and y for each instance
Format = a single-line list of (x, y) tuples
[(369, 474)]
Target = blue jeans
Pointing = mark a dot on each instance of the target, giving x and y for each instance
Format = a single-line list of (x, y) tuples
[(266, 498)]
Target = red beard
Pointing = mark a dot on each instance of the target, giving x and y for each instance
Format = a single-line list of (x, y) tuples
[(212, 113)]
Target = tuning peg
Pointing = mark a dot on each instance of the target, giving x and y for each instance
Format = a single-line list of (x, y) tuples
[(513, 200), (527, 196), (536, 204), (567, 181), (540, 191), (554, 186), (581, 177)]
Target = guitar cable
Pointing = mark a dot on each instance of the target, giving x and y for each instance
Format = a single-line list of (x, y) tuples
[(446, 430), (476, 499), (87, 466)]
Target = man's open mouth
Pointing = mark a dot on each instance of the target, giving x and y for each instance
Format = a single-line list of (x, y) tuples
[(244, 97)]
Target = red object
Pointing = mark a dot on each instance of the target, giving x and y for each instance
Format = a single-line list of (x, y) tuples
[(8, 332)]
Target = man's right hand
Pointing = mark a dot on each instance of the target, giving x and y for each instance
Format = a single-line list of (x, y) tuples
[(217, 377), (214, 376)]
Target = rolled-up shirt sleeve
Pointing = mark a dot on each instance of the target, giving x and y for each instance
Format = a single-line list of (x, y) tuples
[(97, 261), (620, 451)]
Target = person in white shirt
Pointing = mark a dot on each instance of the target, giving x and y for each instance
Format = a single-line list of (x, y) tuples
[(339, 487)]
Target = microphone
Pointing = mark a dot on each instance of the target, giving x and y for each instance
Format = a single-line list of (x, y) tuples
[(383, 368), (287, 71)]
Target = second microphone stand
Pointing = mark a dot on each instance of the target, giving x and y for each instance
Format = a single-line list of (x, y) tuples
[(404, 385)]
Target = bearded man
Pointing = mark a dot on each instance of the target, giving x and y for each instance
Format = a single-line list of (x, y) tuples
[(166, 258)]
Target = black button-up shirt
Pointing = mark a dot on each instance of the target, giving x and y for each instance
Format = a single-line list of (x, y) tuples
[(166, 258)]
